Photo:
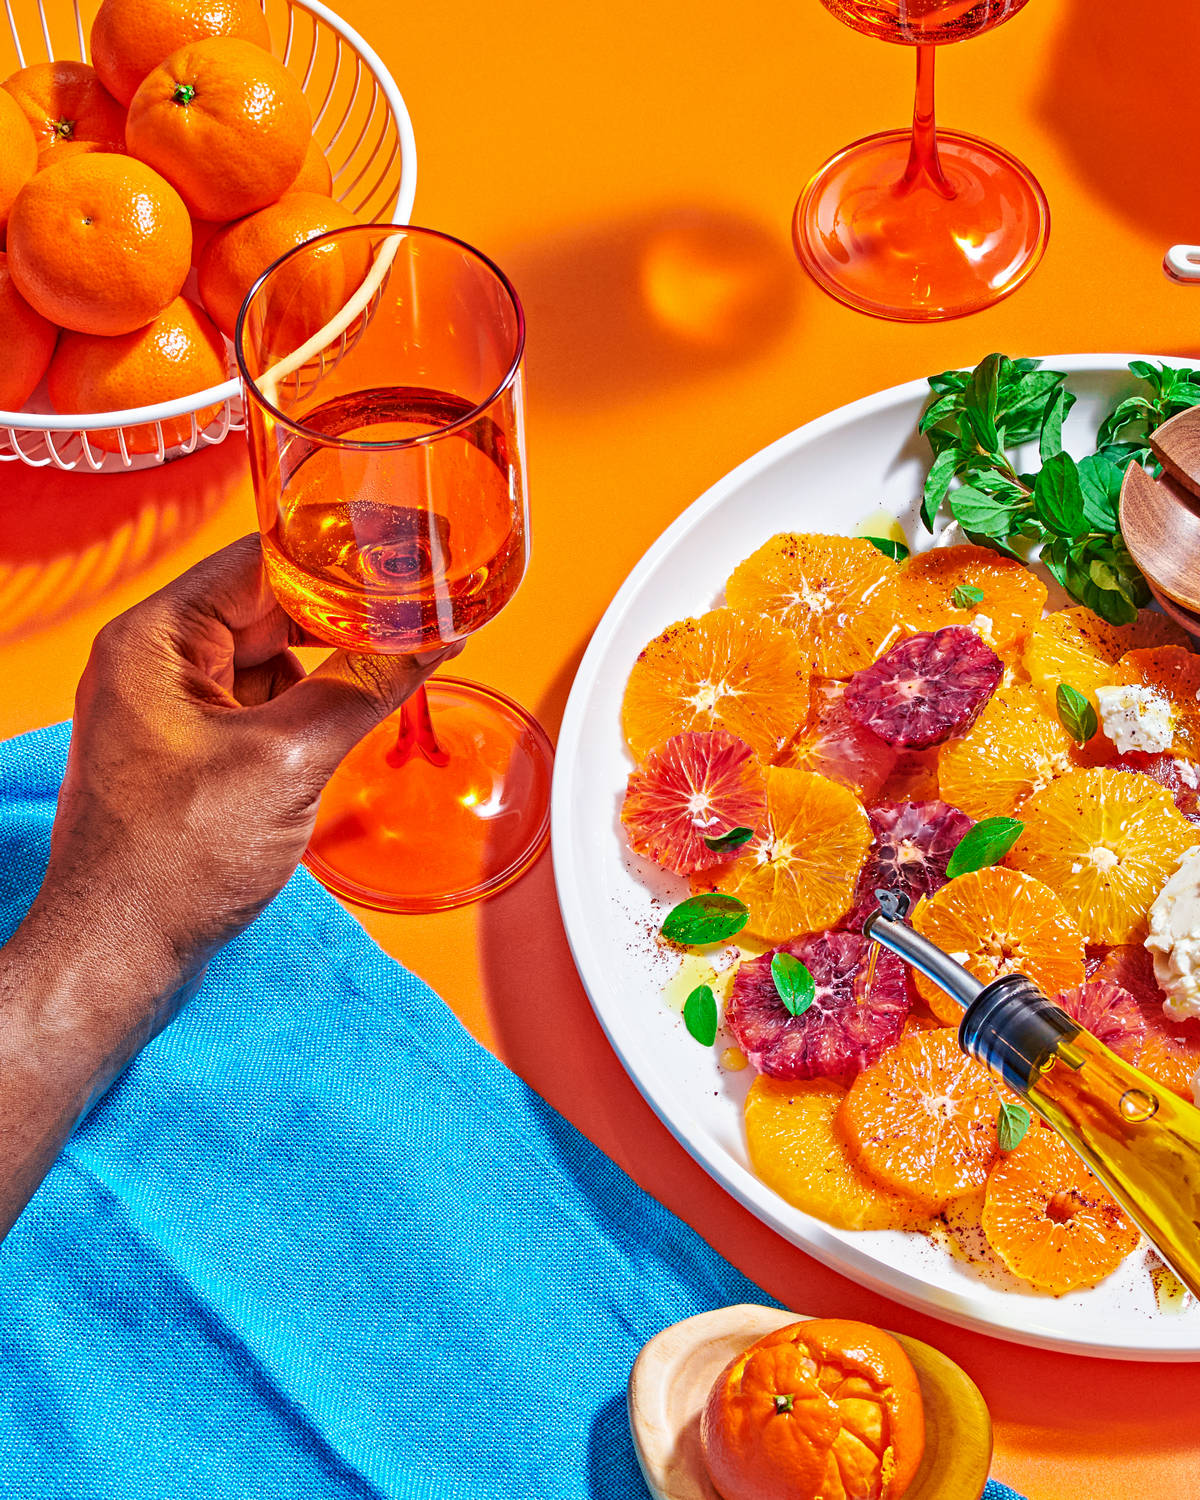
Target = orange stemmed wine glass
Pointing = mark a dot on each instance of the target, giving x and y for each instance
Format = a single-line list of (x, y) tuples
[(919, 225), (382, 368)]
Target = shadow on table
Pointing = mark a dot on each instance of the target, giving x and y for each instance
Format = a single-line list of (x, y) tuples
[(66, 539), (627, 308), (1119, 92)]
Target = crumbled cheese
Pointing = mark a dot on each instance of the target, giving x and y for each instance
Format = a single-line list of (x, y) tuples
[(985, 627), (1135, 718), (1174, 939), (1102, 858)]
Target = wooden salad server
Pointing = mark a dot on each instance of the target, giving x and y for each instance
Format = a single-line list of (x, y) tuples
[(1160, 518)]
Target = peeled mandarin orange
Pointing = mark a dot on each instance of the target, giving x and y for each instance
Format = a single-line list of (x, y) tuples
[(238, 254), (1014, 748), (1173, 674), (797, 1150), (66, 103), (131, 37), (18, 155), (1077, 647), (996, 921), (821, 1410), (28, 344), (801, 874), (225, 123), (1106, 842), (99, 244), (1013, 597), (176, 355), (315, 176), (1049, 1220), (837, 593), (922, 1120), (722, 670)]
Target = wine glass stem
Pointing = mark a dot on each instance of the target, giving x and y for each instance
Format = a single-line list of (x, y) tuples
[(416, 735), (924, 167)]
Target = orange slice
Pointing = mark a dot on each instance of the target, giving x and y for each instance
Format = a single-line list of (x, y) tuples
[(994, 922), (1050, 1221), (835, 592), (836, 745), (1106, 841), (797, 1150), (1170, 1050), (922, 1120), (1013, 749), (1077, 647), (722, 670), (1013, 597), (802, 874), (914, 778), (1173, 673)]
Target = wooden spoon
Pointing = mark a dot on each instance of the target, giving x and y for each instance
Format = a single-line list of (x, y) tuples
[(1160, 518), (674, 1373)]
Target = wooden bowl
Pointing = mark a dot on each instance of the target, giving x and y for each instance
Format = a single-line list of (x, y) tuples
[(674, 1373)]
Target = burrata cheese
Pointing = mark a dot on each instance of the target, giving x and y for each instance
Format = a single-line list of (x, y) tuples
[(1174, 939), (1136, 718)]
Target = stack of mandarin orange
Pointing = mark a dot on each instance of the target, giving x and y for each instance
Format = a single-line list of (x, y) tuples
[(838, 727), (187, 143)]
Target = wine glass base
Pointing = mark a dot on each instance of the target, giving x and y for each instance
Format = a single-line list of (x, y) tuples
[(415, 837), (908, 251)]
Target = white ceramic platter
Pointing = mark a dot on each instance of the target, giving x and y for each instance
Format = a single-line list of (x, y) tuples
[(827, 476)]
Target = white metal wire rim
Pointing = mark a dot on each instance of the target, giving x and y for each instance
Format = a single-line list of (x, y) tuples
[(36, 422)]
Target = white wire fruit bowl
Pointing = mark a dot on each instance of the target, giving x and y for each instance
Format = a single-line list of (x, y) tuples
[(359, 120)]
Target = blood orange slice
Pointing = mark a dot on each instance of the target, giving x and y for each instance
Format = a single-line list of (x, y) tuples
[(1109, 1012), (926, 688), (836, 745), (912, 843), (852, 1018), (1180, 777), (800, 875), (722, 670), (835, 592), (694, 787), (1170, 1050)]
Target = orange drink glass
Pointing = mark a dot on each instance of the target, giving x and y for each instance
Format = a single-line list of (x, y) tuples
[(918, 224), (382, 368)]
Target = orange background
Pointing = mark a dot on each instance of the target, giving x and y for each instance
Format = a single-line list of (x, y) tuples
[(634, 167)]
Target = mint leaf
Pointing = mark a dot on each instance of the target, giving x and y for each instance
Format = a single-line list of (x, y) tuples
[(705, 919), (988, 515), (889, 548), (1075, 713), (989, 841), (732, 838), (1012, 1122), (1100, 484), (981, 399), (700, 1015), (965, 595), (945, 466), (1057, 496), (1050, 439), (794, 983)]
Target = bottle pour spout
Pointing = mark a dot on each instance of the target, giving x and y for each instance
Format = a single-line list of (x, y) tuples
[(887, 926)]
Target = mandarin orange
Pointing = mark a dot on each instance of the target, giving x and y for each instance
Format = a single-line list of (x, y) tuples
[(1049, 1220), (996, 921), (922, 1120), (1077, 647), (28, 344), (131, 37), (18, 155), (722, 670), (800, 875), (1014, 748), (66, 103), (1013, 597), (826, 1409), (315, 175), (1106, 842), (238, 254), (176, 355), (99, 244), (225, 123), (797, 1149), (837, 593)]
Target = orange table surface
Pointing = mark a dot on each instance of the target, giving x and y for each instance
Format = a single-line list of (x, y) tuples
[(634, 167)]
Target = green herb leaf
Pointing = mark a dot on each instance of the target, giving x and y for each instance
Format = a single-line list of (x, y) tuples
[(1012, 1122), (989, 841), (1050, 439), (1075, 713), (965, 595), (981, 400), (1100, 484), (705, 919), (986, 515), (794, 984), (732, 838), (945, 466), (889, 548), (1057, 496), (700, 1015)]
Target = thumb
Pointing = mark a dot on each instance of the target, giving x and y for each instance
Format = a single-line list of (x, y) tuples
[(344, 698)]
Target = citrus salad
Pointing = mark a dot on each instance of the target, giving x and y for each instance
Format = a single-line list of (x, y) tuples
[(855, 719)]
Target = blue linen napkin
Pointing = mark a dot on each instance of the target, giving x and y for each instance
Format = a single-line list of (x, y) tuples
[(317, 1243)]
